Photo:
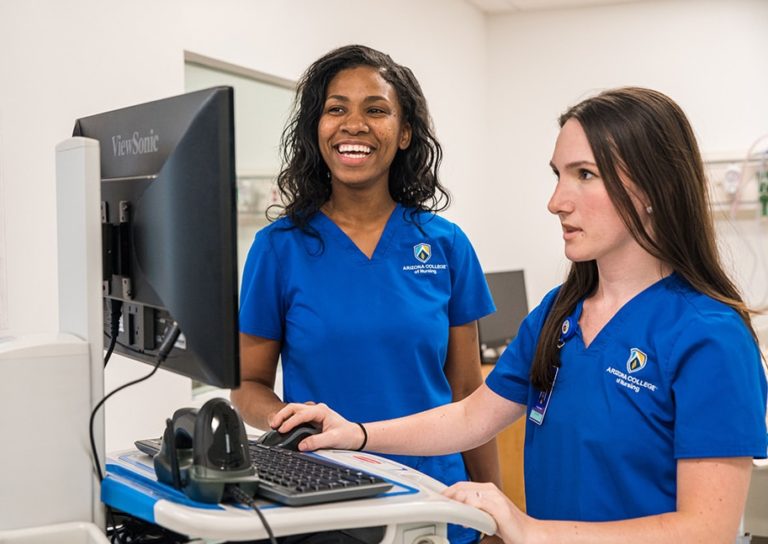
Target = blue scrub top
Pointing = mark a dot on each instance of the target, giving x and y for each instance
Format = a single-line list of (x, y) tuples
[(369, 337), (673, 375)]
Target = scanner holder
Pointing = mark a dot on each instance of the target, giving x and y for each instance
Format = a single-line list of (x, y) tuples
[(203, 452)]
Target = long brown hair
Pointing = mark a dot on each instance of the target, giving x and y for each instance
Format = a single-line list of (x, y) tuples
[(643, 135)]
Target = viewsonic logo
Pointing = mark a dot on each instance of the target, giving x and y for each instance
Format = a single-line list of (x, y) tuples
[(136, 144)]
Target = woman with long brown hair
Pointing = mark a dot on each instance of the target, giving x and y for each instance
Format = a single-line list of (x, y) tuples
[(640, 376)]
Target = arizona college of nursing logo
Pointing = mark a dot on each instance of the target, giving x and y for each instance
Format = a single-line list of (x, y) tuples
[(422, 252), (636, 361)]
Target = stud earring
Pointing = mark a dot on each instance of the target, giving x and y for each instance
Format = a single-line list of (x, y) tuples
[(649, 209)]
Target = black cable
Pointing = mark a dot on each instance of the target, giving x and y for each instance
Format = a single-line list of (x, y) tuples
[(132, 530), (147, 353), (131, 349), (243, 497), (165, 348), (99, 405), (113, 339), (115, 534), (115, 309), (169, 340)]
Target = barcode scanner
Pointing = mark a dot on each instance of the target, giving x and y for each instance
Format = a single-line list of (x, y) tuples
[(203, 451)]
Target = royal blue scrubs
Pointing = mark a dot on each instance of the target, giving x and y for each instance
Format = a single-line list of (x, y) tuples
[(369, 337), (673, 375)]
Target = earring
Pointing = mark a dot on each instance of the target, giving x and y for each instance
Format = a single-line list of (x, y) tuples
[(649, 209)]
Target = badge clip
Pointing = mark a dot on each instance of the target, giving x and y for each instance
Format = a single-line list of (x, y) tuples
[(567, 329)]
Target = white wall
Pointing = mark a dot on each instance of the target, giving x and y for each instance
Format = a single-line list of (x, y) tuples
[(63, 60), (709, 56)]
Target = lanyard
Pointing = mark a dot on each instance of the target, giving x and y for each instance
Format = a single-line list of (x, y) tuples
[(539, 410)]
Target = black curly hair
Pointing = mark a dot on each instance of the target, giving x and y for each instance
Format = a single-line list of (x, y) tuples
[(304, 180)]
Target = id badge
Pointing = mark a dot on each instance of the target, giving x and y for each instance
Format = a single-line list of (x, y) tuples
[(539, 409)]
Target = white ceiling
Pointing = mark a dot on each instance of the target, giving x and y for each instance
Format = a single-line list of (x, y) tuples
[(513, 6)]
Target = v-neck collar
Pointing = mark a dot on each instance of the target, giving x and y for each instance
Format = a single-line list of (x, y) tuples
[(618, 318), (385, 240)]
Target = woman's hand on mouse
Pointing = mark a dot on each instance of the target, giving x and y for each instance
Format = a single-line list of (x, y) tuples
[(337, 432)]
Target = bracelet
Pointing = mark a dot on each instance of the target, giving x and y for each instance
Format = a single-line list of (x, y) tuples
[(365, 437)]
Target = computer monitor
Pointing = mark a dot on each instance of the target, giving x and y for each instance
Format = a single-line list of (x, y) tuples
[(169, 230), (498, 329)]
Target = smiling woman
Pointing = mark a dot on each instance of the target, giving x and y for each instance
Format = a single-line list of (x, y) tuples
[(361, 129), (369, 298)]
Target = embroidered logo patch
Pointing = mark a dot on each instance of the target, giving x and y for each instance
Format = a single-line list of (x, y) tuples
[(422, 252), (637, 360)]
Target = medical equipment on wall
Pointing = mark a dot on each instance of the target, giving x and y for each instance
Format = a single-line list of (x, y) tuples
[(753, 170), (739, 201)]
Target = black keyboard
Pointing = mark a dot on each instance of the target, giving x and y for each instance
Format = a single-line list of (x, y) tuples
[(300, 479)]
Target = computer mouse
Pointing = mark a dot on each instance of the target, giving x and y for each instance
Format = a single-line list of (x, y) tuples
[(288, 440)]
